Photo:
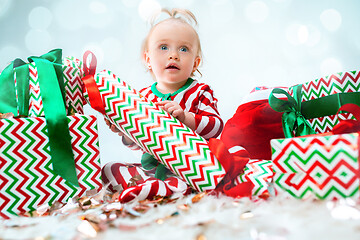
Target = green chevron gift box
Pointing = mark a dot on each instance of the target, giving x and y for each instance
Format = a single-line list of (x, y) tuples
[(27, 176), (312, 107), (322, 166)]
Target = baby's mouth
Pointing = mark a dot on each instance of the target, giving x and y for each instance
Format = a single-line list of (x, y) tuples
[(172, 66)]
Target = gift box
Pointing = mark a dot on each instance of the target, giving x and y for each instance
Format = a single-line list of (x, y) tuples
[(326, 95), (317, 167), (27, 175), (317, 102), (38, 88), (260, 173)]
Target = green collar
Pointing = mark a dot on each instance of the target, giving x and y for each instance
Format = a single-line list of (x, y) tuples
[(169, 95)]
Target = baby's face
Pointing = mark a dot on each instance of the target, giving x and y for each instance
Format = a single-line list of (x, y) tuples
[(172, 52)]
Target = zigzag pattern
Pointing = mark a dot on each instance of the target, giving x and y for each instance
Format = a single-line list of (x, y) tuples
[(323, 167), (26, 176), (260, 173), (176, 146), (73, 85), (326, 124), (336, 83), (73, 88), (35, 101)]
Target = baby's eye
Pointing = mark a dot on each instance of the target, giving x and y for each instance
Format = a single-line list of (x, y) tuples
[(184, 49), (163, 47)]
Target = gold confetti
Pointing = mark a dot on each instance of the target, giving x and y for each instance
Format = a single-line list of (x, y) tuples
[(159, 221), (183, 207), (200, 237), (198, 197)]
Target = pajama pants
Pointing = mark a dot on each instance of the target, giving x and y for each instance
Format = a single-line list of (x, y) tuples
[(133, 182)]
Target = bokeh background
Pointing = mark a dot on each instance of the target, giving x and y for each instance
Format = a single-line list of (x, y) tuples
[(246, 43)]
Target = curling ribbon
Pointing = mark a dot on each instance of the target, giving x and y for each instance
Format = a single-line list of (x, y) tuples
[(293, 121), (90, 84)]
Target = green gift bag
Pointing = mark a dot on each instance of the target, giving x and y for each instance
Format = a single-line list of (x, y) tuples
[(14, 98)]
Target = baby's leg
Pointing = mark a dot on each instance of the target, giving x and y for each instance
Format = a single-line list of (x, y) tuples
[(119, 176)]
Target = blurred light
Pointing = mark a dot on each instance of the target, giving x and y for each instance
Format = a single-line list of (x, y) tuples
[(4, 6), (98, 7), (303, 34), (256, 11), (147, 9), (130, 3), (7, 54), (222, 11), (331, 19), (38, 41), (282, 1), (99, 16), (297, 34), (40, 18), (314, 36), (330, 66), (183, 3), (70, 18)]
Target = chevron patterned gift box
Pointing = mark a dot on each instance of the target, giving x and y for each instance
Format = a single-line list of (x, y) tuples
[(321, 98), (172, 143), (72, 74), (319, 166), (27, 179)]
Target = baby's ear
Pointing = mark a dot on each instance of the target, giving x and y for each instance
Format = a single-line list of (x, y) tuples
[(146, 59), (197, 62)]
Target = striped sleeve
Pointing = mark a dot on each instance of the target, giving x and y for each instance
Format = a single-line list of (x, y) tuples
[(207, 118)]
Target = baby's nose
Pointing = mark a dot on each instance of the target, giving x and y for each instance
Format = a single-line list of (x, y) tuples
[(173, 55)]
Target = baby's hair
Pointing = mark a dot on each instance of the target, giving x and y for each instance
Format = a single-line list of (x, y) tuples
[(178, 14)]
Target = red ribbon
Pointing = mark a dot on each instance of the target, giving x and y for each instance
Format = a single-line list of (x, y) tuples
[(234, 166), (349, 125), (90, 84)]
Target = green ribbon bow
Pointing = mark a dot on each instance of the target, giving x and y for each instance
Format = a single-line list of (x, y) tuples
[(49, 67), (293, 122)]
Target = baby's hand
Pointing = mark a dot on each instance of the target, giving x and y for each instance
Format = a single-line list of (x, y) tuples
[(113, 127), (173, 108)]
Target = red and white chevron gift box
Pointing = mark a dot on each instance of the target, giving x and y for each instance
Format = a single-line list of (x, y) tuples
[(171, 142), (27, 179), (72, 74), (317, 167)]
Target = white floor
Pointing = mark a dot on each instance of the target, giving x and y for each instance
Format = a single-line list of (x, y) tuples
[(210, 218)]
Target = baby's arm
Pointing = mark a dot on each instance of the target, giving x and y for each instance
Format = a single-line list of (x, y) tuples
[(207, 118)]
